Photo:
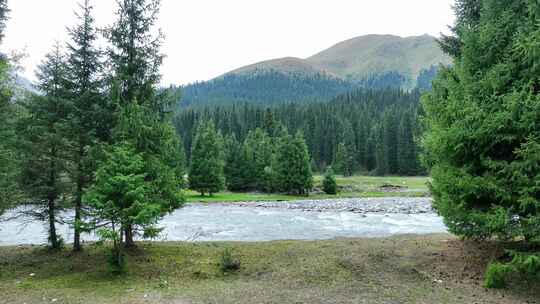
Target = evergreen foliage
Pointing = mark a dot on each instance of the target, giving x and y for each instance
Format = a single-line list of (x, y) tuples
[(425, 78), (9, 160), (259, 149), (265, 87), (142, 113), (329, 182), (483, 142), (526, 265), (87, 117), (43, 144), (292, 166), (121, 197), (237, 167), (362, 120), (206, 172)]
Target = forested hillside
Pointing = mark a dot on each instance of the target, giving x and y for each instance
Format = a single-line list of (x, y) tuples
[(361, 131), (264, 87), (372, 62)]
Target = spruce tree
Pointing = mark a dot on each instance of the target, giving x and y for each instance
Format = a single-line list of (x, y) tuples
[(482, 143), (237, 166), (121, 197), (408, 162), (258, 149), (84, 68), (390, 141), (44, 143), (349, 140), (206, 172), (9, 160), (292, 166), (329, 182), (142, 115)]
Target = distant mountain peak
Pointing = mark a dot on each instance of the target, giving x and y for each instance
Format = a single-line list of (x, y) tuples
[(361, 57), (370, 61)]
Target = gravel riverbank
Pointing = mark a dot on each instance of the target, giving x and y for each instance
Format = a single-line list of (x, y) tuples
[(402, 205)]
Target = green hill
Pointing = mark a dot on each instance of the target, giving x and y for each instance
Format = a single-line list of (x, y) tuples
[(363, 57), (372, 61), (360, 57)]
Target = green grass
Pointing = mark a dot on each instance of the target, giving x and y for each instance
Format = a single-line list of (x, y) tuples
[(354, 186), (406, 269)]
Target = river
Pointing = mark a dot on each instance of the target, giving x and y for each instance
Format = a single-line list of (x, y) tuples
[(261, 222)]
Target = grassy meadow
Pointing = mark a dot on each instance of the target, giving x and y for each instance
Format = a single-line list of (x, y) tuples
[(354, 186), (404, 269)]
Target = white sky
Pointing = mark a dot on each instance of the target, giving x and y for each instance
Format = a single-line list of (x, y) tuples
[(206, 38)]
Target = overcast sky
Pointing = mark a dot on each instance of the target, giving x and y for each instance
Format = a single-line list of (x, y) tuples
[(205, 38)]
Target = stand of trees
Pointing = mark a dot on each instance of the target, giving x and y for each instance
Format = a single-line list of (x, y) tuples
[(368, 131), (98, 136), (262, 162)]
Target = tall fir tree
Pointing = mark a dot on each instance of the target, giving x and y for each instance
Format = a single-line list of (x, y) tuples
[(84, 121), (344, 160), (482, 144), (292, 166), (390, 141), (258, 147), (44, 143), (9, 160), (237, 167), (143, 113), (408, 161), (206, 172)]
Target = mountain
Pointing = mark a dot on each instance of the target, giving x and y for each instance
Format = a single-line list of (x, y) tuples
[(372, 61), (361, 57)]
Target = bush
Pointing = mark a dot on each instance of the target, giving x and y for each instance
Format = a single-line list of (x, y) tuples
[(496, 275), (523, 264), (227, 263), (329, 182)]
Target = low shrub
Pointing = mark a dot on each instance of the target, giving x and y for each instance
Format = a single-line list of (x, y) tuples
[(496, 275), (228, 263), (525, 265)]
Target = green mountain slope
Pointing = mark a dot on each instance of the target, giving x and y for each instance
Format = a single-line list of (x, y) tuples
[(372, 61), (363, 57)]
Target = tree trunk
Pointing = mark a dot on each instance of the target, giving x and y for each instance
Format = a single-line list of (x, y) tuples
[(128, 232), (77, 233), (78, 203), (53, 238)]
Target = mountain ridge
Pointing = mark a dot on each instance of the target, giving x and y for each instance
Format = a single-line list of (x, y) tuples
[(360, 57), (370, 61)]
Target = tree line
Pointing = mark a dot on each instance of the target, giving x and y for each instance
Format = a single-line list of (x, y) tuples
[(365, 130), (263, 87), (266, 87)]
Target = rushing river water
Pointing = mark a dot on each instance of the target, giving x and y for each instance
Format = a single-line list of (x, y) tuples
[(219, 222)]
